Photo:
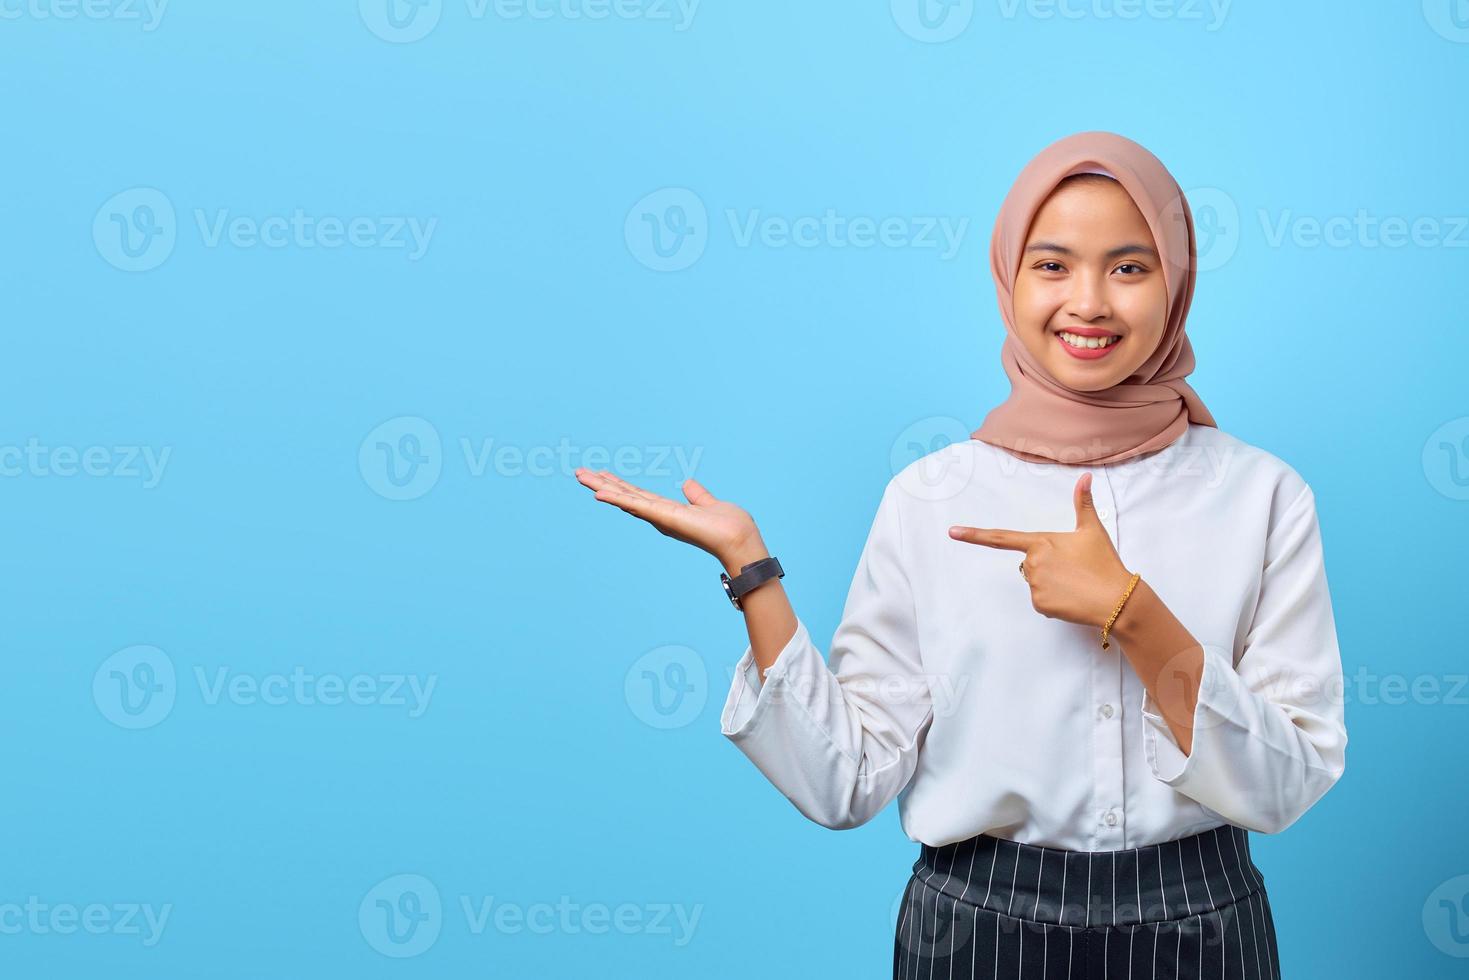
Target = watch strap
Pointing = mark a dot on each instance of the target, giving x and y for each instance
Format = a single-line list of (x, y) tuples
[(750, 577)]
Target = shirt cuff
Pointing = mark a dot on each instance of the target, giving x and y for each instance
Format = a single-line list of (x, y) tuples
[(746, 690), (1165, 757)]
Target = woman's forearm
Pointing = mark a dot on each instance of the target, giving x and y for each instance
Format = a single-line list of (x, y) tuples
[(769, 618), (1166, 657)]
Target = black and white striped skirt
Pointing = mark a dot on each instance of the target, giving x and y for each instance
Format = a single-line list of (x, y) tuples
[(986, 907)]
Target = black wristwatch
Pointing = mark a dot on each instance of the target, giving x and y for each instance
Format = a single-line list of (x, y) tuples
[(751, 576)]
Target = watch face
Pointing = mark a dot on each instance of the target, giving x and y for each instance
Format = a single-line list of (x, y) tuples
[(724, 581)]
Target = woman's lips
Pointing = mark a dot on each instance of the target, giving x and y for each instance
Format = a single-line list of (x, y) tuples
[(1087, 353)]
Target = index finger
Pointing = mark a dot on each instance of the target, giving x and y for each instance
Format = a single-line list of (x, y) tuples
[(994, 537)]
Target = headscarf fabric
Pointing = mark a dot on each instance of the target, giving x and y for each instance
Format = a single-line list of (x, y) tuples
[(1044, 420)]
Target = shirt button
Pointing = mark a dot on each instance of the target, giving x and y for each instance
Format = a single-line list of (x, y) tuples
[(1103, 513), (1105, 711), (1110, 819)]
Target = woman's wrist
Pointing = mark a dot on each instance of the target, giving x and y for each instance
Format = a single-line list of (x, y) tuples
[(1134, 611), (742, 554)]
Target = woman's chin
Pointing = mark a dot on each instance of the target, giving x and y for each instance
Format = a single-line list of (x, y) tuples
[(1081, 377)]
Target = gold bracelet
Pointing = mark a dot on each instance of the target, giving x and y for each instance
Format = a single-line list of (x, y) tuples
[(1113, 618)]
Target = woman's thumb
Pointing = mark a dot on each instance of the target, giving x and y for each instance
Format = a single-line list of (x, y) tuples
[(1086, 510), (696, 494)]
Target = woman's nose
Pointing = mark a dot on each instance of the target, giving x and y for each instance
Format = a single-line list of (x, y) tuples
[(1088, 299)]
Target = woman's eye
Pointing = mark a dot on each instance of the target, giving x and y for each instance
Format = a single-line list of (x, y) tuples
[(1050, 266), (1130, 265)]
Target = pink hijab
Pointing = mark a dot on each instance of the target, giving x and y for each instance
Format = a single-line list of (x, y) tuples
[(1044, 420)]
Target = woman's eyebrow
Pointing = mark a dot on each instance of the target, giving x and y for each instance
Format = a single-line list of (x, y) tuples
[(1117, 252)]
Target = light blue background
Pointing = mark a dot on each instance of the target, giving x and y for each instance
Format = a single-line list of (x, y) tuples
[(540, 767)]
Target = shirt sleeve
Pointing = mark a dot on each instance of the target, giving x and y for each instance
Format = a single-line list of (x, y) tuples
[(1269, 737), (841, 742)]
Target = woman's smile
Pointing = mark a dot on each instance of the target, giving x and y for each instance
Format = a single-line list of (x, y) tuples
[(1087, 343)]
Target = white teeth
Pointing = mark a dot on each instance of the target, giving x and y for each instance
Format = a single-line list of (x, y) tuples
[(1075, 340)]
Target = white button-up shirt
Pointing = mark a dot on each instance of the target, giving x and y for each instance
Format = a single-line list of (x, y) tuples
[(947, 690)]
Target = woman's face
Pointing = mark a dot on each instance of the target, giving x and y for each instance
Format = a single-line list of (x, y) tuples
[(1090, 274)]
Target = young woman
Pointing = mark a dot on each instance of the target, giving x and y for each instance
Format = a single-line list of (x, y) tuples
[(1083, 705)]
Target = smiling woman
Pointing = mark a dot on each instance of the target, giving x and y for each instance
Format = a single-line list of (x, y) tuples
[(1094, 260), (1079, 759), (1090, 299)]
